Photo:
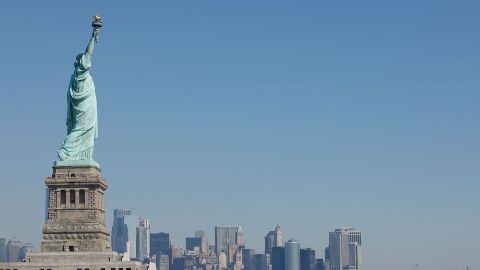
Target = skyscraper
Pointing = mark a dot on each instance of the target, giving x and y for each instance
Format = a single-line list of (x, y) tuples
[(320, 264), (199, 241), (143, 239), (292, 255), (26, 248), (225, 235), (193, 243), (119, 230), (160, 242), (3, 250), (262, 262), (278, 258), (124, 232), (240, 237), (248, 258), (162, 262), (355, 256), (13, 249), (327, 254), (345, 246), (307, 259), (273, 239)]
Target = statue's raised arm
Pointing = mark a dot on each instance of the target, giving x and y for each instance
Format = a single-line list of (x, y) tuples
[(96, 24), (91, 44)]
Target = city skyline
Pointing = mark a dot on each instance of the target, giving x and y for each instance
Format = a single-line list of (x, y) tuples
[(313, 116), (135, 221)]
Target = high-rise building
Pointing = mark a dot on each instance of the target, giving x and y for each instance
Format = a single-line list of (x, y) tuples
[(248, 259), (273, 239), (327, 254), (193, 243), (345, 246), (26, 248), (278, 258), (160, 242), (240, 238), (262, 262), (13, 249), (199, 242), (233, 250), (162, 262), (225, 235), (143, 239), (119, 230), (3, 250), (124, 232), (320, 264), (355, 256), (292, 255), (307, 259), (237, 263)]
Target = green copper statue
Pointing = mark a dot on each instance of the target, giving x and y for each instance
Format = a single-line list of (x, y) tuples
[(82, 120)]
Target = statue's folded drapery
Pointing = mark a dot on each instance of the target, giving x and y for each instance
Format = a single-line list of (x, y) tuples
[(82, 120)]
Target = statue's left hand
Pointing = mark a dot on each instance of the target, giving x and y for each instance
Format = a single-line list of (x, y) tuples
[(96, 34)]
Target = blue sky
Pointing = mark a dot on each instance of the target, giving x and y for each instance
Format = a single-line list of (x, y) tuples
[(312, 115)]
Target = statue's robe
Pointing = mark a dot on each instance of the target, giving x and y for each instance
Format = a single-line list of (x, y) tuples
[(82, 120)]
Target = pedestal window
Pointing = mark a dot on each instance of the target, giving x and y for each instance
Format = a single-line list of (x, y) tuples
[(63, 198), (72, 198), (81, 198)]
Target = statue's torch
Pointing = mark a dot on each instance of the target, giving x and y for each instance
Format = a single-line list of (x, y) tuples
[(97, 24)]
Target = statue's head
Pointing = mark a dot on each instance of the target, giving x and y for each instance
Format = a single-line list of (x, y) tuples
[(77, 60)]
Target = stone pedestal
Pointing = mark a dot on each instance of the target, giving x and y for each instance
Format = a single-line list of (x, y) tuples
[(75, 236), (76, 215)]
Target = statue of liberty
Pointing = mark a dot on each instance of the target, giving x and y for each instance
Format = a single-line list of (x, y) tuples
[(82, 120)]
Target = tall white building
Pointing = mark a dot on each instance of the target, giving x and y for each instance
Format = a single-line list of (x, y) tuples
[(345, 245), (143, 239)]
